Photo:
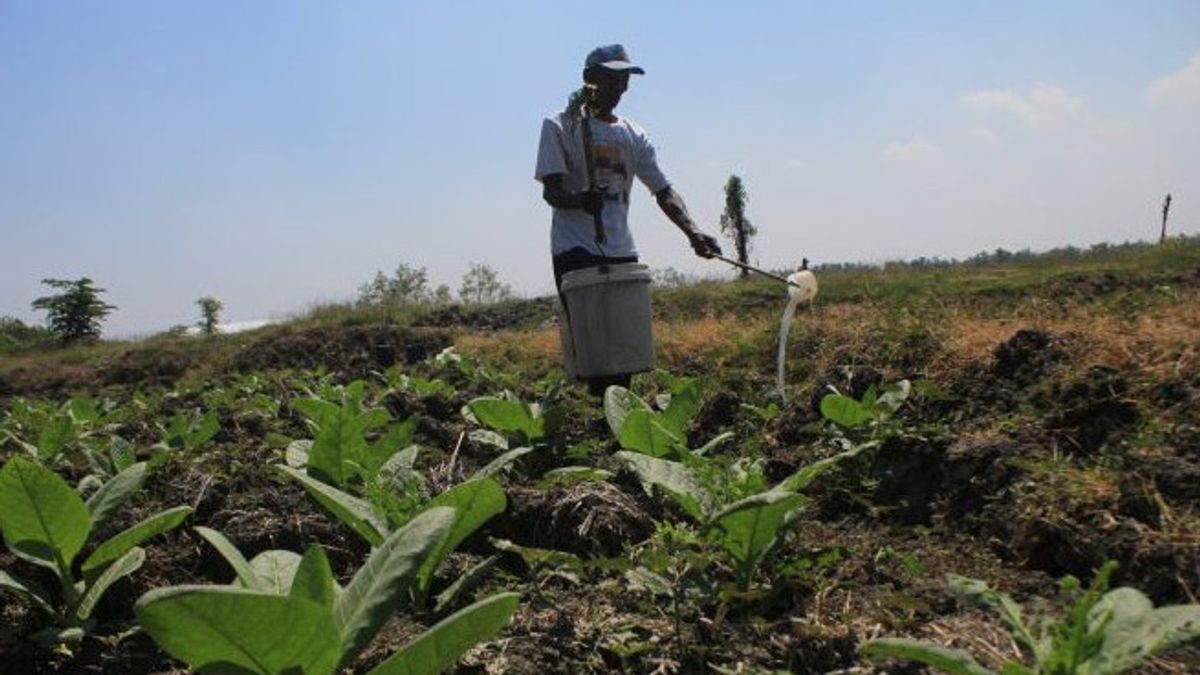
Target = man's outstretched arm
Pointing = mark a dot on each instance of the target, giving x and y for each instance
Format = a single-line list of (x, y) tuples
[(672, 204)]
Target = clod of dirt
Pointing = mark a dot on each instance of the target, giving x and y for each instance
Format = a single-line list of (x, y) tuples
[(1088, 412), (1027, 356), (589, 519)]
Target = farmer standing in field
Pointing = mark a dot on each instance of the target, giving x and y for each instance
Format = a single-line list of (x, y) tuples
[(587, 159)]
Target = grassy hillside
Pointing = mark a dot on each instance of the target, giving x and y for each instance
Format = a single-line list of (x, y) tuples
[(1050, 422)]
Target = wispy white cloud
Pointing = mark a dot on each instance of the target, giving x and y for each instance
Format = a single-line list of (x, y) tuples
[(1043, 106), (1181, 84), (917, 147)]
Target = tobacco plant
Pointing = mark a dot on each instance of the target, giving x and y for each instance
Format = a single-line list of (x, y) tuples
[(188, 430), (1099, 633), (47, 523), (513, 423), (659, 430), (340, 452), (746, 526), (44, 430), (286, 614)]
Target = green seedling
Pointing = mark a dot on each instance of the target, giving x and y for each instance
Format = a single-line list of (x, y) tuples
[(106, 462), (659, 430), (872, 414), (47, 523), (396, 380), (475, 502), (44, 430), (189, 430), (1099, 633), (295, 619), (520, 423), (746, 527), (339, 452)]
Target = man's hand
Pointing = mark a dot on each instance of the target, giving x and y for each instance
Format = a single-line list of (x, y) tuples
[(705, 245)]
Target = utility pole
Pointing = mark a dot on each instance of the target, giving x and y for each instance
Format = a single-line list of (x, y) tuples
[(1162, 237)]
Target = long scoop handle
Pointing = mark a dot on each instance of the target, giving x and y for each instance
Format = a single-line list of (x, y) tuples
[(751, 268)]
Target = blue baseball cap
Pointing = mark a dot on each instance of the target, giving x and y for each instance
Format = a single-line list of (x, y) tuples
[(612, 57)]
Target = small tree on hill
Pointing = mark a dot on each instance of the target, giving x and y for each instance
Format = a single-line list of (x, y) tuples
[(734, 223), (481, 284), (210, 307), (409, 286), (77, 312)]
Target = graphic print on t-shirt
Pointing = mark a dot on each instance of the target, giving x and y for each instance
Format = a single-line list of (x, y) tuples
[(611, 173)]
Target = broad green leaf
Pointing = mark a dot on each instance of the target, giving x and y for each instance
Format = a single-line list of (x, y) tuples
[(644, 432), (500, 463), (618, 403), (713, 444), (375, 455), (204, 430), (122, 454), (223, 629), (339, 439), (749, 528), (382, 584), (955, 661), (29, 590), (845, 411), (540, 556), (246, 575), (276, 569), (646, 580), (347, 508), (318, 411), (488, 437), (296, 454), (676, 479), (403, 460), (314, 578), (43, 519), (474, 502), (1136, 630), (800, 480), (113, 493), (507, 416), (465, 583), (895, 396), (54, 436), (127, 564), (83, 410), (685, 400), (573, 475), (125, 540), (439, 647)]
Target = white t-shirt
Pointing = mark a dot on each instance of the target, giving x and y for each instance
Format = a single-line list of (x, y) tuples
[(621, 150)]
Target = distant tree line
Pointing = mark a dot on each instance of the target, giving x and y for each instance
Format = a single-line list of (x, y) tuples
[(1002, 256), (409, 286)]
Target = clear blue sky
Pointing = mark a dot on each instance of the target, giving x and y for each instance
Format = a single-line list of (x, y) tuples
[(276, 154)]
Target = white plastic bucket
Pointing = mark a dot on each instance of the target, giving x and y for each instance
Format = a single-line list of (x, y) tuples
[(607, 331)]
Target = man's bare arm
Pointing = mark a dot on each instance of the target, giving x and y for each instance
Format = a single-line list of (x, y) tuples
[(672, 205)]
